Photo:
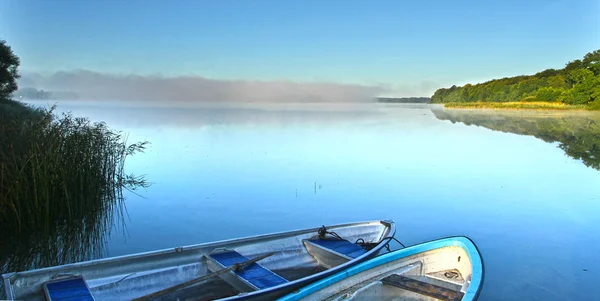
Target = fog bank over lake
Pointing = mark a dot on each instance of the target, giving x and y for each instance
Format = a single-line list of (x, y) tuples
[(89, 85)]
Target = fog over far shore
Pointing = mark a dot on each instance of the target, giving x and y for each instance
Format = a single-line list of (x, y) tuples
[(89, 85)]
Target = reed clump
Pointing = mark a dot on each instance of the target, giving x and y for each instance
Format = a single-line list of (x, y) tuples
[(57, 169)]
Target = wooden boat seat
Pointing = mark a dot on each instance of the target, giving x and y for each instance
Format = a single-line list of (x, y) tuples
[(422, 288), (340, 246), (71, 289), (255, 275)]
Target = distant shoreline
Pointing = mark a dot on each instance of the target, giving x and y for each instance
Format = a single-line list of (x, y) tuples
[(517, 105), (403, 99)]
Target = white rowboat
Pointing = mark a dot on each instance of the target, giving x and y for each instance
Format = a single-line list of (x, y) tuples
[(447, 269), (286, 261)]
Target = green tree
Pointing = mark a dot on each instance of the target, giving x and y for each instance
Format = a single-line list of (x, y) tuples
[(557, 81), (9, 65), (576, 64), (586, 88), (549, 94), (592, 61), (580, 75), (547, 73)]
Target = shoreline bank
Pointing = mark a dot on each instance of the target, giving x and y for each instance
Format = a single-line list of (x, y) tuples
[(517, 105)]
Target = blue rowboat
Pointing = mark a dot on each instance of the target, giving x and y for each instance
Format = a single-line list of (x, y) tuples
[(254, 268), (446, 269)]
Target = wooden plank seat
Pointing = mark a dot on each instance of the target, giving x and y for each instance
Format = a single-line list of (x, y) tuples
[(422, 288)]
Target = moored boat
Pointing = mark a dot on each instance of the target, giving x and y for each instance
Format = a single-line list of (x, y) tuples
[(447, 269), (258, 268)]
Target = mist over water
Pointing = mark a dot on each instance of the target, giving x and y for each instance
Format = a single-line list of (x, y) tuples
[(88, 85)]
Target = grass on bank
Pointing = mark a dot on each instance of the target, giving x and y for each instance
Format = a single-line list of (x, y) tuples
[(55, 169), (524, 105)]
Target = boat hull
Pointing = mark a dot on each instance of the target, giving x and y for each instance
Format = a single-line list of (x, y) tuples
[(374, 279), (132, 276)]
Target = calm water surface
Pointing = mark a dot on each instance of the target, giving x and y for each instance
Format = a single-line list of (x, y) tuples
[(524, 186)]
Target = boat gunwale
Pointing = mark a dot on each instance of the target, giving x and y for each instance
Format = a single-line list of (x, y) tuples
[(472, 293), (389, 224)]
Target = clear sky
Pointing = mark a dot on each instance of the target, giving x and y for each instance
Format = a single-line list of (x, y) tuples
[(397, 43)]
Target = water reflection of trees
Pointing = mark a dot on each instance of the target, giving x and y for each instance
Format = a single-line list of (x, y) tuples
[(72, 240), (578, 133)]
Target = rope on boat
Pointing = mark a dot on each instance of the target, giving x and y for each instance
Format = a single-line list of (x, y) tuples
[(451, 274), (323, 232), (361, 242), (391, 237)]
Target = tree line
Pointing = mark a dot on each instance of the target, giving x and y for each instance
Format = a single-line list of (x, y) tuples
[(578, 83)]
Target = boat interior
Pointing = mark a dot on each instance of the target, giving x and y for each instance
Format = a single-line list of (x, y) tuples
[(439, 274), (227, 268)]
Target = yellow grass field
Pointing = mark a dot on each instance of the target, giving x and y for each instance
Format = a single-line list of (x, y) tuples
[(523, 105)]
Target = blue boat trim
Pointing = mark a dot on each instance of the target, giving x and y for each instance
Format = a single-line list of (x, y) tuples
[(470, 295), (341, 246), (255, 274), (72, 289), (328, 273), (294, 284)]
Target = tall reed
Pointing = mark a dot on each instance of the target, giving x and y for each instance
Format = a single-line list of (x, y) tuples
[(57, 169)]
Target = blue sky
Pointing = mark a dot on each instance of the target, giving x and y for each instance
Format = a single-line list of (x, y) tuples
[(391, 43)]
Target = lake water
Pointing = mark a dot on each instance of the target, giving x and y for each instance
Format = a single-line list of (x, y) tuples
[(524, 186)]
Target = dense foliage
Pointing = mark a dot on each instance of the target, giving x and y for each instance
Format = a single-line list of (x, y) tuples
[(576, 84), (9, 71)]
